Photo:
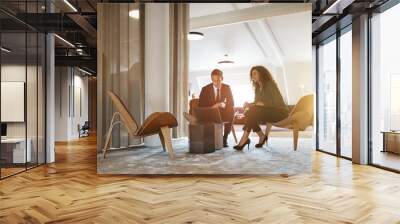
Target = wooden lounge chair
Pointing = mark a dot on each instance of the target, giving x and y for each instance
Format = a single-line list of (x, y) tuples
[(157, 123), (299, 118)]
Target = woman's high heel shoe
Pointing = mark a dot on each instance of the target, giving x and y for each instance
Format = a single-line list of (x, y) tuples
[(240, 147), (260, 145)]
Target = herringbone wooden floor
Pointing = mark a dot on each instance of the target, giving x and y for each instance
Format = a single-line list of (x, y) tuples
[(70, 191)]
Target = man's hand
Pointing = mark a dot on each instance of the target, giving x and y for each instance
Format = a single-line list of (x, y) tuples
[(217, 105)]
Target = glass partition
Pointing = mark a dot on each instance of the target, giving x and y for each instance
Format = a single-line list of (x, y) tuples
[(22, 88), (385, 89), (14, 153), (327, 96)]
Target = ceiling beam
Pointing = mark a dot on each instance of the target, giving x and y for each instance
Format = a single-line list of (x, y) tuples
[(320, 22), (337, 7), (85, 61), (265, 38), (248, 14), (84, 24)]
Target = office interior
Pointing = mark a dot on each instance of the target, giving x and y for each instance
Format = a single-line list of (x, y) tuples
[(241, 41), (50, 86)]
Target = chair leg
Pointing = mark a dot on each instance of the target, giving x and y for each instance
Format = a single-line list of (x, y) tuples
[(108, 138), (165, 131), (162, 140), (295, 138), (234, 133), (267, 131)]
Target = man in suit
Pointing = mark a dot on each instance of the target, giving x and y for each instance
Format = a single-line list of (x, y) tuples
[(217, 94)]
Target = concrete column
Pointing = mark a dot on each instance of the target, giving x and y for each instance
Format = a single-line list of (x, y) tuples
[(50, 99), (360, 90), (156, 62)]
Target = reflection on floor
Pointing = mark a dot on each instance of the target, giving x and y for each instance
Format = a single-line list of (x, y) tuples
[(277, 158), (387, 159), (10, 171)]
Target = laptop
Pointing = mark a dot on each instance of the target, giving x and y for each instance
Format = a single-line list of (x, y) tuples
[(207, 115)]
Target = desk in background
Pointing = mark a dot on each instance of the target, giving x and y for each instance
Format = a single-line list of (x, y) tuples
[(391, 141), (13, 150)]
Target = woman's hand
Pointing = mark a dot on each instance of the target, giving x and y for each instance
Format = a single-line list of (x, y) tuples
[(259, 104)]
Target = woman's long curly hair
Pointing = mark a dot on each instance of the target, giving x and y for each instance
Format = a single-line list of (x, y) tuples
[(265, 77)]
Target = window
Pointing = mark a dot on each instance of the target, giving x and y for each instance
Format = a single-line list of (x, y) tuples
[(327, 97), (385, 86), (346, 94)]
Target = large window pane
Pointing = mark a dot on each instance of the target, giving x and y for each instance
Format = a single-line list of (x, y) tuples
[(327, 97), (346, 94), (14, 153), (22, 90), (385, 84)]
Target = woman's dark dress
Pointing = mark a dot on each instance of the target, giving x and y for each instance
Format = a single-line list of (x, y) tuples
[(274, 108)]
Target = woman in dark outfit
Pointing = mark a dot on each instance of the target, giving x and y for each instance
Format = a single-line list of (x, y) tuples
[(268, 106)]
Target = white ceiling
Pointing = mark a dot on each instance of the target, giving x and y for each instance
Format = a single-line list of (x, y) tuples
[(203, 9), (294, 36), (275, 40), (233, 40)]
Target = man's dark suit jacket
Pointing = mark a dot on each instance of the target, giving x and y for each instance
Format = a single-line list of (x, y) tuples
[(207, 99)]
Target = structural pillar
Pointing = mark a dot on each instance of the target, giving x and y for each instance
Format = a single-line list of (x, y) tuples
[(360, 90), (50, 99), (156, 62)]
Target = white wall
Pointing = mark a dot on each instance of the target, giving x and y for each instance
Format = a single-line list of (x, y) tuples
[(17, 73), (299, 80), (67, 114), (33, 126)]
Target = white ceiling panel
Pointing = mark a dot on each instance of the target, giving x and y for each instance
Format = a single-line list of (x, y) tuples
[(234, 40), (293, 34)]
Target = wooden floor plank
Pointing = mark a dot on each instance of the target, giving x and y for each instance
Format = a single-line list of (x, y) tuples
[(70, 191)]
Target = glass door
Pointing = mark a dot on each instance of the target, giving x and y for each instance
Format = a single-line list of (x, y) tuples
[(327, 96)]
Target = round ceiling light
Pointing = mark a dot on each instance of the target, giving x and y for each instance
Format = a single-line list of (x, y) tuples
[(134, 14), (226, 60), (195, 36)]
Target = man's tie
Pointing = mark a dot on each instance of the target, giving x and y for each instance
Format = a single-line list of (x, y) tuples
[(218, 96)]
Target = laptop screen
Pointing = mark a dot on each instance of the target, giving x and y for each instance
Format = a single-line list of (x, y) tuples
[(3, 129)]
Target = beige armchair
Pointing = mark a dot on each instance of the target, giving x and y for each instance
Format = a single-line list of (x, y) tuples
[(299, 118), (157, 123)]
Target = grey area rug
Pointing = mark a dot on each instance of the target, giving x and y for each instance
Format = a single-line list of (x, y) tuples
[(276, 158)]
